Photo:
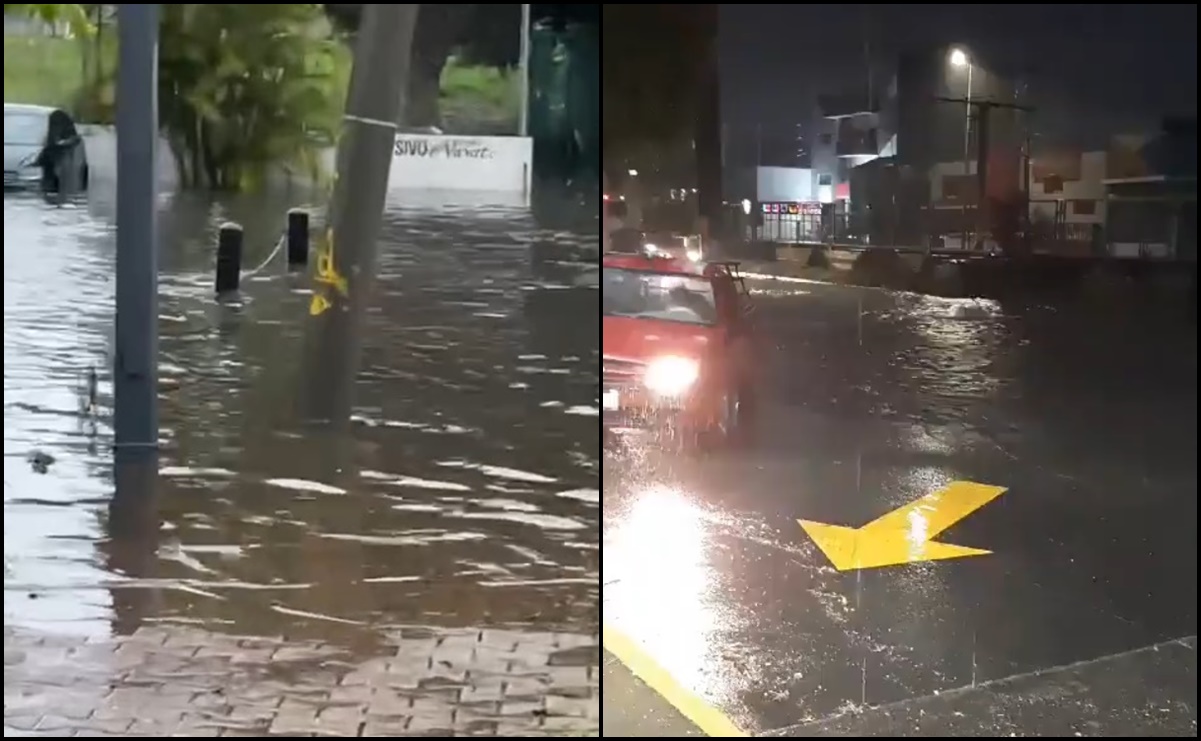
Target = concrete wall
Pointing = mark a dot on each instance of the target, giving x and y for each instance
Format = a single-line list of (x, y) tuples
[(786, 184), (1089, 187), (496, 169), (500, 164)]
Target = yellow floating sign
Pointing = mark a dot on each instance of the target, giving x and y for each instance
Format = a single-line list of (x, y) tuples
[(905, 535), (327, 276)]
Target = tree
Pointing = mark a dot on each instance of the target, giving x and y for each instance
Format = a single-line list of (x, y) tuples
[(650, 77), (476, 33), (440, 28), (243, 88), (75, 16)]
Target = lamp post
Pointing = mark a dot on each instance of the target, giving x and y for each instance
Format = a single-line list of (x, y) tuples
[(959, 58)]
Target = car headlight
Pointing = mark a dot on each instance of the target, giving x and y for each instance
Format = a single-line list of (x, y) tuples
[(694, 255), (671, 376)]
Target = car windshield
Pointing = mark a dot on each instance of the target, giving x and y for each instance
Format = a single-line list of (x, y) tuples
[(666, 241), (24, 128), (662, 296)]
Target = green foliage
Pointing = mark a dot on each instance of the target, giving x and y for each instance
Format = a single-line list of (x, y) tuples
[(479, 94), (74, 16), (243, 88), (41, 70)]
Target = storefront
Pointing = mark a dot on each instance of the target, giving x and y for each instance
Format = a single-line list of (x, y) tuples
[(790, 222)]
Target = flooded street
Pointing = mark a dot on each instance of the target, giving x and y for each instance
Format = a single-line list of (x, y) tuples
[(459, 508), (959, 518)]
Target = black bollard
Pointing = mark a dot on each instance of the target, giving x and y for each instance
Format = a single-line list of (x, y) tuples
[(298, 237), (229, 258)]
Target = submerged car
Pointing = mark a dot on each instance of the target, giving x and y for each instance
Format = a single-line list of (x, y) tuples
[(42, 148), (677, 349)]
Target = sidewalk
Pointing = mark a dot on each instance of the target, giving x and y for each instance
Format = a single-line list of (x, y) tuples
[(634, 710), (182, 681)]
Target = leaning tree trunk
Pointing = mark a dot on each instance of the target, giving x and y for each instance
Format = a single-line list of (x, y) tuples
[(438, 29), (421, 107)]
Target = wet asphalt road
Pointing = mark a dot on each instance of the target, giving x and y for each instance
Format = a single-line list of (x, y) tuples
[(464, 493), (1077, 618)]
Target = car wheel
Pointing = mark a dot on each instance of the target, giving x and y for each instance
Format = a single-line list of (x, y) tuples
[(84, 174)]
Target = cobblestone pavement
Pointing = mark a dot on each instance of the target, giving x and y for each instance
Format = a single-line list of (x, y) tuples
[(179, 681)]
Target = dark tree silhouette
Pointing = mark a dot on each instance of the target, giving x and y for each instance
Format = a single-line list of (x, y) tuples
[(652, 61)]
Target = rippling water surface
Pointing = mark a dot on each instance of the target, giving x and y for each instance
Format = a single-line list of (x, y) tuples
[(465, 491)]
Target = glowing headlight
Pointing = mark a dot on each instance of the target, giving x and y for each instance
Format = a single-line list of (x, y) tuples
[(694, 255), (671, 376)]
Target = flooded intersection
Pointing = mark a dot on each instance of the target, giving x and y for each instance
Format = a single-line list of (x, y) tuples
[(961, 519), (452, 525)]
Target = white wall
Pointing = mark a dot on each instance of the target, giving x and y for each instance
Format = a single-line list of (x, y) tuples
[(482, 169), (942, 169), (500, 164), (784, 184), (1090, 187)]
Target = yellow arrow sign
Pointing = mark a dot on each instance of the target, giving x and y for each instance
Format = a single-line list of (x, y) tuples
[(904, 535)]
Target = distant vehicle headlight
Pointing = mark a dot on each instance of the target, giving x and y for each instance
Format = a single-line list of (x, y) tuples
[(671, 376)]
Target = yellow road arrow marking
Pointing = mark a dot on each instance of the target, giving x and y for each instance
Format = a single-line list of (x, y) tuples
[(904, 535)]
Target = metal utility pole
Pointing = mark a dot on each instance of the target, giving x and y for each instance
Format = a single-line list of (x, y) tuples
[(135, 366), (967, 157), (984, 109), (364, 161), (523, 67), (347, 256)]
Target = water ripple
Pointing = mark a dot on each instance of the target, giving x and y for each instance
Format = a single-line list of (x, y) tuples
[(471, 460)]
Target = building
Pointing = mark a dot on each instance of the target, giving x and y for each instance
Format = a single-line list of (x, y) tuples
[(848, 134), (783, 202), (1151, 195), (915, 159)]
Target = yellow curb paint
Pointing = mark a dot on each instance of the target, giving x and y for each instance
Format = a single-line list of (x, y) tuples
[(710, 720)]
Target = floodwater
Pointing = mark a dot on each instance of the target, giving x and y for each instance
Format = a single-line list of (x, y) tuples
[(881, 415), (464, 491)]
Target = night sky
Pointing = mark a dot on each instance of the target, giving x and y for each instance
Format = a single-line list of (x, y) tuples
[(1092, 69)]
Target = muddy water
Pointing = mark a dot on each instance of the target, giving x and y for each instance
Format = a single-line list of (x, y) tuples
[(463, 492)]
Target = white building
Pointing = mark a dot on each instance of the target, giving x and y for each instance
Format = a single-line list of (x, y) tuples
[(1068, 191)]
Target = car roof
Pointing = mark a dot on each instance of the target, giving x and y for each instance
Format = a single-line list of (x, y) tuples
[(27, 108), (657, 264)]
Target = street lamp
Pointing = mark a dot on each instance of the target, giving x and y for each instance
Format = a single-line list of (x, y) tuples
[(959, 58)]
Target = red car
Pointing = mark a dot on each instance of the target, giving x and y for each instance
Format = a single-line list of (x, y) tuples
[(677, 349)]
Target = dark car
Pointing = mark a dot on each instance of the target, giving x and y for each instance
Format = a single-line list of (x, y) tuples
[(42, 148)]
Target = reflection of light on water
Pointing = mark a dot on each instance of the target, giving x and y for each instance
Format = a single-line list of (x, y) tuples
[(658, 552), (918, 533)]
